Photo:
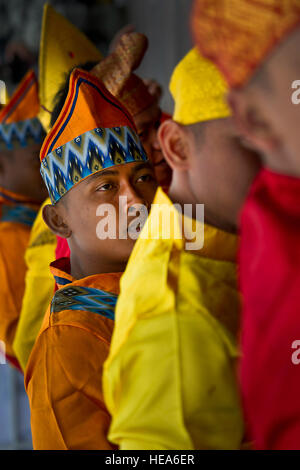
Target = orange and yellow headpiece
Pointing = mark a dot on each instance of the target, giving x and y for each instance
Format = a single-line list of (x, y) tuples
[(19, 125), (237, 35), (93, 131)]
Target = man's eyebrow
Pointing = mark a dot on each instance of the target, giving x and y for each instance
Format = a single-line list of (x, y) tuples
[(146, 123), (142, 166), (101, 173)]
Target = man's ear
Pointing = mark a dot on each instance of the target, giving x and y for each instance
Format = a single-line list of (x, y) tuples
[(251, 123), (53, 217), (174, 144)]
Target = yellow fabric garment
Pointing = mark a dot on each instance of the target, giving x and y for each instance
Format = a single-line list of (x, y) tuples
[(199, 90), (39, 287), (62, 47), (169, 381)]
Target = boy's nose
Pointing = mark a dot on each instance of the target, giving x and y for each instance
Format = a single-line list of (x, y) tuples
[(133, 198)]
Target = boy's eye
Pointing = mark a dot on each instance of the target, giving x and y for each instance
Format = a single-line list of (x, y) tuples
[(145, 178), (105, 187), (143, 134)]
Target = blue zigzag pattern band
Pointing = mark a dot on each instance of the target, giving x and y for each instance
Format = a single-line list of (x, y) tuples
[(20, 214), (21, 134), (86, 299), (89, 153)]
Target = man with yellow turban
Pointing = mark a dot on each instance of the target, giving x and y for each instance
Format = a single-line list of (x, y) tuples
[(256, 46), (169, 380)]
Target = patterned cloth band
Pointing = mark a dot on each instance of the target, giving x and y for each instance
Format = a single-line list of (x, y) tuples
[(21, 134), (89, 153), (19, 214), (84, 298)]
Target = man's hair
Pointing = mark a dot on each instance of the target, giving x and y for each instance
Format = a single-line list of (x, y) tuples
[(61, 95), (261, 79), (198, 131)]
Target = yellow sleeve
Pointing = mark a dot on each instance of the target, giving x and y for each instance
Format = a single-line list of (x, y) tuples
[(39, 288), (171, 386)]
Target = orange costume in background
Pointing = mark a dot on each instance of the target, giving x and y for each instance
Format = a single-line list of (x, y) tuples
[(18, 128), (16, 219), (63, 378)]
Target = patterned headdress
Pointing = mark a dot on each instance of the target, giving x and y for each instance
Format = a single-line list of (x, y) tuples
[(199, 90), (19, 125), (116, 72), (62, 47), (237, 35), (92, 132)]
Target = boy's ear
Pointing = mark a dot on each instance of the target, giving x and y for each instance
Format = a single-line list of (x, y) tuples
[(54, 219), (173, 140), (251, 123)]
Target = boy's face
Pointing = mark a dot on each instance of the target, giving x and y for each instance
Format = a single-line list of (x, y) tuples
[(20, 172), (265, 112), (84, 211), (147, 123), (221, 170)]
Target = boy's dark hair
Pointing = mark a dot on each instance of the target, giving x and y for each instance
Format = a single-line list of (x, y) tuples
[(61, 95)]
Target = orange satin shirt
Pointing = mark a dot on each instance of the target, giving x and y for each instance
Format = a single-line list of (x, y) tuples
[(63, 377)]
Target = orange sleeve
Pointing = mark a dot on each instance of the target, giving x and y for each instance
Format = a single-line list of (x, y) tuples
[(64, 385), (13, 242)]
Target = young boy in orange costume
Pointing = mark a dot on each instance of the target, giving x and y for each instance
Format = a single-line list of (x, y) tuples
[(86, 164)]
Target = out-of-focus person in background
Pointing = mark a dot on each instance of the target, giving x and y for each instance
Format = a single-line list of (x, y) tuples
[(61, 45), (116, 72), (21, 193), (170, 378), (256, 46)]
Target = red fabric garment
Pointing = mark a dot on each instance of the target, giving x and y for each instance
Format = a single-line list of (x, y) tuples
[(270, 284), (62, 248)]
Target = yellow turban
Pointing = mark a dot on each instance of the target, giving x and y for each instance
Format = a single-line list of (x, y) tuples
[(199, 90)]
